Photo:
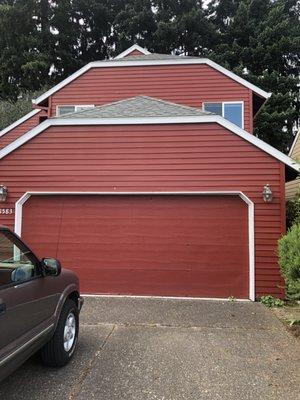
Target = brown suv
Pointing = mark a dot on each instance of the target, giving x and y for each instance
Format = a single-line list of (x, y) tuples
[(39, 306)]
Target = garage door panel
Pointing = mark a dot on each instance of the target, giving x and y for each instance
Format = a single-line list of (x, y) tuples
[(191, 284), (151, 245), (123, 257)]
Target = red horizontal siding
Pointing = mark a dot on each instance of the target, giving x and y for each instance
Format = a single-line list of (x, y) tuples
[(134, 53), (19, 130), (155, 158), (184, 84)]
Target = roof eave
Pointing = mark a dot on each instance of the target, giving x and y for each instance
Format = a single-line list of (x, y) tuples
[(149, 121)]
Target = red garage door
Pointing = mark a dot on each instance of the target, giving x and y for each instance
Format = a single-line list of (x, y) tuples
[(148, 245)]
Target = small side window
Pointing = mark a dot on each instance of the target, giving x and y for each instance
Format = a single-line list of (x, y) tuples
[(16, 265), (234, 113), (215, 108), (63, 110)]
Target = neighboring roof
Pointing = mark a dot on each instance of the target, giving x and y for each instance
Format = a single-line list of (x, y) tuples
[(137, 107), (297, 137), (134, 47), (19, 121), (108, 117), (151, 60)]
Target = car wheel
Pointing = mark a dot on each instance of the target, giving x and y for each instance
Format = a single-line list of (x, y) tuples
[(60, 349)]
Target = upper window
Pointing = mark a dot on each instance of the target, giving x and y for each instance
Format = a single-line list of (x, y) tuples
[(231, 110), (63, 110)]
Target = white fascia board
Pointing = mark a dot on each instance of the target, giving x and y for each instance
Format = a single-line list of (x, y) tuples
[(297, 137), (132, 48), (140, 63), (150, 121), (19, 121)]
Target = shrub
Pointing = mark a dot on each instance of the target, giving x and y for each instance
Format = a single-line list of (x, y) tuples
[(289, 260), (270, 301), (293, 211)]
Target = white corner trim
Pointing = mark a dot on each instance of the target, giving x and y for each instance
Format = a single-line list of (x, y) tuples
[(19, 207), (140, 63), (251, 244), (19, 121), (297, 137), (132, 48), (150, 121)]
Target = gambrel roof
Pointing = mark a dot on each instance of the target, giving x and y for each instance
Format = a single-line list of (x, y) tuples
[(151, 59)]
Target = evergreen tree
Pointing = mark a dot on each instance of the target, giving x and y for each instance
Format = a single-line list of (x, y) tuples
[(43, 41), (182, 27), (23, 64), (260, 40)]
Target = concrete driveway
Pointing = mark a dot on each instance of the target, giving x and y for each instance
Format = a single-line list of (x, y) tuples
[(156, 349)]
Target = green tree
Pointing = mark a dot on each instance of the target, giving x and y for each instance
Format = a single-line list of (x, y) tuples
[(260, 40), (23, 64), (182, 27), (11, 111)]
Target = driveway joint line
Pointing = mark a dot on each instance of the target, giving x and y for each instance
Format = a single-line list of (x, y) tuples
[(155, 325), (89, 367)]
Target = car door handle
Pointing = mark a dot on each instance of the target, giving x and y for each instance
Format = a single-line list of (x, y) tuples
[(2, 308)]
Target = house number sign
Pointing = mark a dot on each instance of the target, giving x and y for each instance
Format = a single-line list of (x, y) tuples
[(6, 211)]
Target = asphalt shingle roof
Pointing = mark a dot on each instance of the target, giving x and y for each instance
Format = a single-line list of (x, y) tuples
[(138, 107)]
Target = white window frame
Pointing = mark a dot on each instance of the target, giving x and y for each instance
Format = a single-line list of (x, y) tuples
[(73, 105), (223, 107)]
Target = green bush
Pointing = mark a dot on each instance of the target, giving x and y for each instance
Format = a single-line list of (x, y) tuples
[(270, 301), (289, 260), (293, 211)]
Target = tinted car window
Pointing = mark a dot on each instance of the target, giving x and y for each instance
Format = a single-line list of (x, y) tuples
[(16, 265)]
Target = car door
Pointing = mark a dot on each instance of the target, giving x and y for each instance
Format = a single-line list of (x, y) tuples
[(26, 307)]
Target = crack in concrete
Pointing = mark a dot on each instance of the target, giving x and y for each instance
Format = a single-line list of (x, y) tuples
[(156, 325), (84, 373)]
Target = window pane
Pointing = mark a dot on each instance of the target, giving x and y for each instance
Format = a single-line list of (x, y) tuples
[(82, 108), (215, 108), (15, 266), (233, 112), (62, 110)]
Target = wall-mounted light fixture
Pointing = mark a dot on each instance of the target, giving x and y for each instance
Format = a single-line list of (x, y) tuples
[(3, 193), (267, 194)]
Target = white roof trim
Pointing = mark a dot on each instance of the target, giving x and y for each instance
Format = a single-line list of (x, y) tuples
[(19, 121), (148, 121), (140, 63), (132, 48), (297, 137)]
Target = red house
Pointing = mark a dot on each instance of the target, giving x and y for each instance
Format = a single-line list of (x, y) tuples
[(142, 174)]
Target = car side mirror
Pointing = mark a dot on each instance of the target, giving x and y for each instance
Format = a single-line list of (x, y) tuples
[(51, 267)]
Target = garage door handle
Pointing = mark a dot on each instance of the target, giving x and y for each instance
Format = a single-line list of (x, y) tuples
[(2, 308)]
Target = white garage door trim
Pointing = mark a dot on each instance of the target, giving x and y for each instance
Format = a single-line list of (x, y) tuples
[(27, 195)]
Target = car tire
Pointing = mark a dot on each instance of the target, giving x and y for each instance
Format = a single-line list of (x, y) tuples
[(60, 349)]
